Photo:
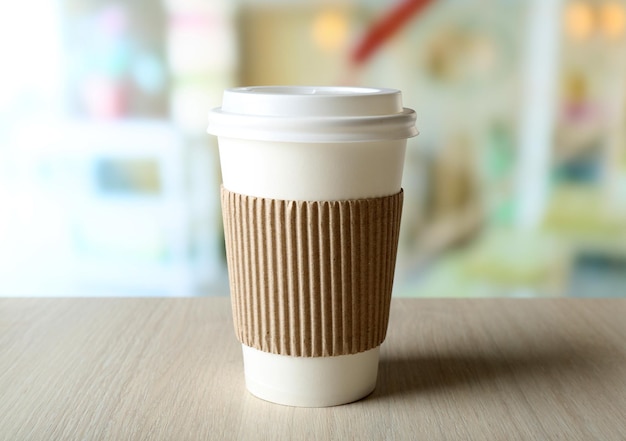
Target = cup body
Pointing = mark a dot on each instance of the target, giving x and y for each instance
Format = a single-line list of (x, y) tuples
[(309, 175), (312, 171)]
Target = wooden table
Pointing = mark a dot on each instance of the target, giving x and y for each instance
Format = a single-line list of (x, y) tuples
[(171, 369)]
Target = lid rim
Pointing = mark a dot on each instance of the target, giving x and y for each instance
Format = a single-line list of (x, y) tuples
[(312, 114), (313, 129)]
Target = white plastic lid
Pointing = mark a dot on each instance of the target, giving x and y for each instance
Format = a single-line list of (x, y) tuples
[(312, 114)]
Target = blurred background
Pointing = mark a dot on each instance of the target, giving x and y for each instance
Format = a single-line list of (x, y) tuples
[(516, 185)]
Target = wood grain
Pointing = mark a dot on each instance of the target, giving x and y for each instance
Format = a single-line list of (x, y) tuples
[(170, 369)]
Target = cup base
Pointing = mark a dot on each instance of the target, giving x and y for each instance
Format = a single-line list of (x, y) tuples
[(310, 381)]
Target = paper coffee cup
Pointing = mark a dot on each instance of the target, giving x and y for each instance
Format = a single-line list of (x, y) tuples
[(311, 201)]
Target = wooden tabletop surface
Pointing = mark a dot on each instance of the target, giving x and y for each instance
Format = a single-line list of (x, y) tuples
[(171, 369)]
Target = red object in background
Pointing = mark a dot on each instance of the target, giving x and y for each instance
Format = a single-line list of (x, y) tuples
[(384, 29)]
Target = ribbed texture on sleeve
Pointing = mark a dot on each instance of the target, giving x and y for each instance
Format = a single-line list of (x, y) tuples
[(311, 279)]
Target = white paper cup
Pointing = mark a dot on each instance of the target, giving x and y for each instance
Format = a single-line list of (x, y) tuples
[(310, 144)]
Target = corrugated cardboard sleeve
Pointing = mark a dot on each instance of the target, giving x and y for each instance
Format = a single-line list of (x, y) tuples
[(311, 279)]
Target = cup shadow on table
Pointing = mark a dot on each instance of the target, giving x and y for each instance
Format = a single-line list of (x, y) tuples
[(439, 372)]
